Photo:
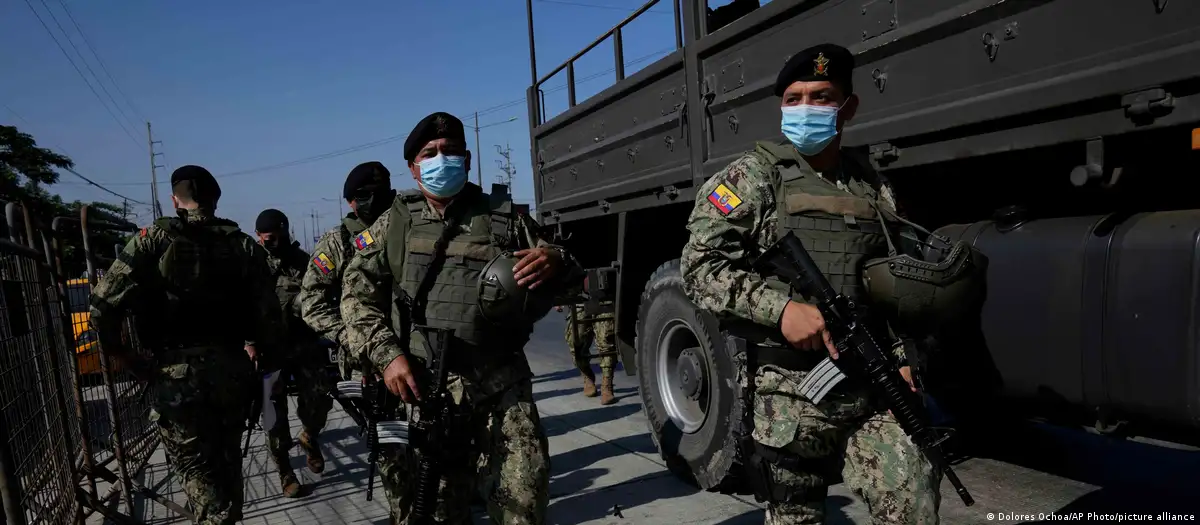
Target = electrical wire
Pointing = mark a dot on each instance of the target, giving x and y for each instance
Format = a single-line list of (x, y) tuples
[(394, 138), (80, 72), (100, 61), (597, 6)]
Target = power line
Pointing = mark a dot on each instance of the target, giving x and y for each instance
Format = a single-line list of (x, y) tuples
[(394, 138), (103, 66), (111, 192), (597, 6), (78, 71), (83, 59)]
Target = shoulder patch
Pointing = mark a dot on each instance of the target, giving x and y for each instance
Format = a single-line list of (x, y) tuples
[(364, 240), (724, 199), (323, 262), (143, 233)]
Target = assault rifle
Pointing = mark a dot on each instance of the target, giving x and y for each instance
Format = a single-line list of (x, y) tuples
[(432, 430), (433, 427), (860, 353), (371, 407)]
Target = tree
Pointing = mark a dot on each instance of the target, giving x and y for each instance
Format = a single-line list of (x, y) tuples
[(25, 170)]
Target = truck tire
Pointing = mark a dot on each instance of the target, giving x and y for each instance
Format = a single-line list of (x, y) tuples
[(688, 379)]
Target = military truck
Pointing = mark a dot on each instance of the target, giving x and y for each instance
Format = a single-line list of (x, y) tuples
[(1056, 135)]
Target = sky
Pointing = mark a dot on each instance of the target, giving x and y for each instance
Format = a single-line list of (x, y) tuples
[(280, 99)]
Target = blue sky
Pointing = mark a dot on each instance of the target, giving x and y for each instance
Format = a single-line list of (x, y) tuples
[(238, 86)]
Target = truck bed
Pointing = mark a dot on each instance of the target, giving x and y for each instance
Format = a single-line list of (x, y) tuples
[(939, 80)]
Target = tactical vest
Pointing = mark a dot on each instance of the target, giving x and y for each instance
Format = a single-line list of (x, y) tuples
[(203, 272), (840, 227), (451, 301)]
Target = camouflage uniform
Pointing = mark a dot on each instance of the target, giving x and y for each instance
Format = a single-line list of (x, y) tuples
[(767, 192), (306, 367), (321, 290), (510, 467), (200, 390), (602, 330)]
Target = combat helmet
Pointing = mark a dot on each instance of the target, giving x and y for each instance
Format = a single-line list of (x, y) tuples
[(941, 284), (503, 302)]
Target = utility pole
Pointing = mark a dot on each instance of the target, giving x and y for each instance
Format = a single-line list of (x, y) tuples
[(478, 153), (316, 225), (125, 209), (155, 207), (506, 166)]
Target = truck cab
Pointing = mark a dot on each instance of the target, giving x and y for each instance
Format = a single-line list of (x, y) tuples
[(1058, 136)]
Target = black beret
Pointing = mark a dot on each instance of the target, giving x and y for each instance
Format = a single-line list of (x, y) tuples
[(196, 183), (439, 125), (271, 220), (368, 175), (820, 62)]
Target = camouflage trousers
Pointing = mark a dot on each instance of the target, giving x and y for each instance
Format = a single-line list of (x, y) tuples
[(510, 468), (581, 335), (200, 402), (313, 384), (842, 436)]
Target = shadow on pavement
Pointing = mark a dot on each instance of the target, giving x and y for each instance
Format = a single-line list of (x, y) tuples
[(574, 481), (621, 393), (598, 504), (560, 424), (556, 376), (583, 456), (834, 514)]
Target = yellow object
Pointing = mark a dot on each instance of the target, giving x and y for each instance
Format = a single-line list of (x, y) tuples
[(87, 346), (1196, 139)]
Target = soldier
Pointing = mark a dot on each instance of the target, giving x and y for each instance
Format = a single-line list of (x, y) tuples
[(835, 204), (453, 227), (579, 334), (200, 292), (368, 191), (306, 360)]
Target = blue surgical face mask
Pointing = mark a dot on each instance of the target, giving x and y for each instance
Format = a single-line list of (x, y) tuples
[(443, 176), (810, 128)]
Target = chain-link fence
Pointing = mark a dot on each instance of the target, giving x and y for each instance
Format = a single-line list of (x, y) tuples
[(76, 431)]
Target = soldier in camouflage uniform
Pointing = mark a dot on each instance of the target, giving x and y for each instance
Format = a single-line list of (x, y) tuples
[(368, 192), (452, 225), (306, 361), (831, 201), (580, 333), (204, 302)]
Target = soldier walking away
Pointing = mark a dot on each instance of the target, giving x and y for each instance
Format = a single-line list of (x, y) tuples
[(203, 300), (305, 362), (581, 331), (368, 191), (442, 253), (842, 212)]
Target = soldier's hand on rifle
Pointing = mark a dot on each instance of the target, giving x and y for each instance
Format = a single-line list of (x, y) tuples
[(399, 380), (536, 266), (253, 353), (804, 327), (906, 373)]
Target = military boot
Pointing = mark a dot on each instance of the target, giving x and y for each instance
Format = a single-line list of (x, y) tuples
[(312, 449), (606, 388), (289, 483), (589, 382)]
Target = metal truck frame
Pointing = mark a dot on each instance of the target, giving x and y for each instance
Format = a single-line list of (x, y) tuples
[(966, 106)]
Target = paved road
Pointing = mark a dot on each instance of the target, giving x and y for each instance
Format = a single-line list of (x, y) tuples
[(603, 457)]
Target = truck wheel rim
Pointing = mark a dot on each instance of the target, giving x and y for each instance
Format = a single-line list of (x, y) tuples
[(683, 377)]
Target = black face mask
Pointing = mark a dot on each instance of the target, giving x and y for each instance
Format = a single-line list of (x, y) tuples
[(276, 242), (370, 205)]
